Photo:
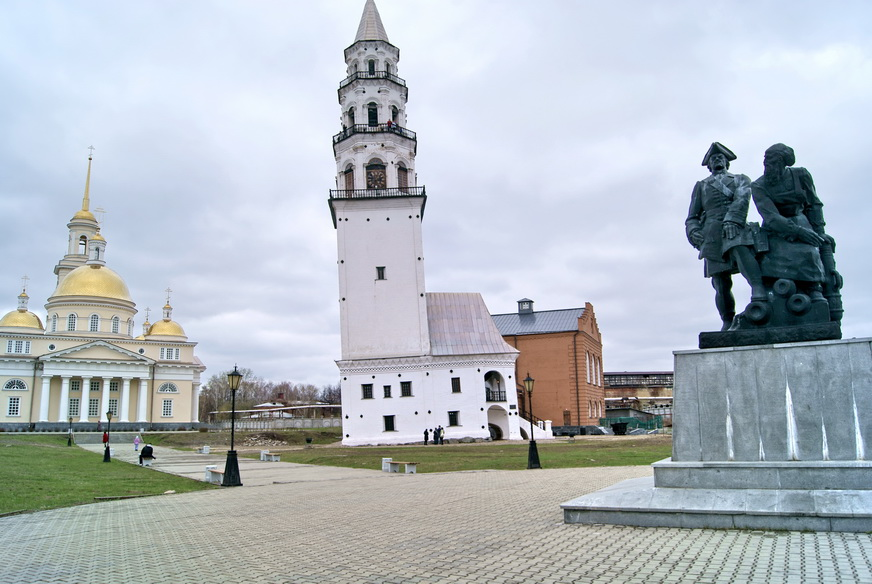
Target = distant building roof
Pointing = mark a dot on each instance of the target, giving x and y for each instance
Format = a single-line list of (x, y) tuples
[(543, 321), (460, 324)]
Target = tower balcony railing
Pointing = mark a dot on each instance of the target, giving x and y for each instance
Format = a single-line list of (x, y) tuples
[(494, 395), (373, 129), (373, 75), (378, 193)]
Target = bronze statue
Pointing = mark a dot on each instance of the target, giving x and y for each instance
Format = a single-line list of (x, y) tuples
[(789, 262), (799, 250), (717, 226)]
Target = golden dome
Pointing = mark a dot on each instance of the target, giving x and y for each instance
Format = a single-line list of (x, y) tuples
[(93, 280), (83, 214), (97, 237), (168, 328), (21, 318)]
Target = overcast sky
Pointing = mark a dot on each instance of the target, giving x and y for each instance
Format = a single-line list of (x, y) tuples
[(558, 140)]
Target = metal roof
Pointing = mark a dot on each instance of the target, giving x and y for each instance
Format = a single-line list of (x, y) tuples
[(460, 324), (543, 321)]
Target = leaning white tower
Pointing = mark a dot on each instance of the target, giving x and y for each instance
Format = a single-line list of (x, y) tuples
[(410, 360), (377, 206)]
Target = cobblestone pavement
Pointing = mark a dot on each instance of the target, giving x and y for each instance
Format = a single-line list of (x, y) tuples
[(305, 524)]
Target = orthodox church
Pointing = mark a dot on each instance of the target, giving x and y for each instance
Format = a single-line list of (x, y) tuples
[(411, 360), (85, 361)]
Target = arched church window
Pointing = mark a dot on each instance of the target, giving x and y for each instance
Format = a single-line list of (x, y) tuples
[(71, 322), (402, 177), (372, 113), (54, 323), (395, 114), (129, 327), (349, 178), (168, 388), (15, 385), (83, 245), (375, 175), (388, 67), (94, 323), (371, 66), (116, 322), (351, 116)]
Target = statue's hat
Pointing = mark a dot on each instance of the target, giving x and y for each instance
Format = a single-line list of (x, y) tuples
[(714, 149)]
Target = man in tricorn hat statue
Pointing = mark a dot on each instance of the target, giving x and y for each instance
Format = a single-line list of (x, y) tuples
[(717, 226)]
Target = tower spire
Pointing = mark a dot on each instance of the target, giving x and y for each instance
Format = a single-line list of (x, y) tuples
[(86, 199), (371, 27)]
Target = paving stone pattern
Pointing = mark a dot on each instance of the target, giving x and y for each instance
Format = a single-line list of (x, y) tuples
[(303, 524)]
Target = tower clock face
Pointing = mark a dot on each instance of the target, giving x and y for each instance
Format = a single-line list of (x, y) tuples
[(375, 178)]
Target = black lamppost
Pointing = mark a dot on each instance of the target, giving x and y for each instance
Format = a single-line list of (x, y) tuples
[(70, 435), (231, 467), (533, 455), (106, 457)]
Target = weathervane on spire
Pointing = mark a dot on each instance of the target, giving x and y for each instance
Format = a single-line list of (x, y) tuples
[(91, 153), (147, 312), (24, 280), (168, 290)]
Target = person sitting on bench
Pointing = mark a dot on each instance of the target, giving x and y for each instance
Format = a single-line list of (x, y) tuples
[(147, 452)]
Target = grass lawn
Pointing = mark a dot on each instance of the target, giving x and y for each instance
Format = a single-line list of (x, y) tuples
[(41, 472), (501, 455), (583, 451)]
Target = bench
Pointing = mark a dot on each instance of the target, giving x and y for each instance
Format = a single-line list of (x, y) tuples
[(147, 460), (213, 475), (394, 466), (268, 456), (203, 450)]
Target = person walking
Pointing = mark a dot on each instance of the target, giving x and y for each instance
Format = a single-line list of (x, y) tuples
[(136, 442), (426, 436)]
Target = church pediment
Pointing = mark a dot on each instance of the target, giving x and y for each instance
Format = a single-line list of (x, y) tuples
[(98, 351)]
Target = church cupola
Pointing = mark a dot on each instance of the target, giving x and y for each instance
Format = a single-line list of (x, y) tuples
[(83, 227), (97, 250), (525, 306)]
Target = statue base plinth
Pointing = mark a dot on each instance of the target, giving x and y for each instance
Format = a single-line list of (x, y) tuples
[(822, 331), (766, 437)]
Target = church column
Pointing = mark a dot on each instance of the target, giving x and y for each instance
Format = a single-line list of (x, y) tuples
[(45, 398), (195, 403), (104, 399), (84, 405), (142, 408), (124, 406)]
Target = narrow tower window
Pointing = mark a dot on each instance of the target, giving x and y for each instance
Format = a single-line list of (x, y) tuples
[(83, 245), (349, 178), (94, 324), (395, 114), (351, 117), (372, 113), (71, 322), (115, 324), (371, 65), (380, 273), (403, 177)]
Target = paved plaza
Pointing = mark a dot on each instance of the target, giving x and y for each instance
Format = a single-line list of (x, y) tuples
[(301, 523)]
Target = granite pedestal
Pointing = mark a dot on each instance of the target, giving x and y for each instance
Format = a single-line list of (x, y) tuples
[(764, 437)]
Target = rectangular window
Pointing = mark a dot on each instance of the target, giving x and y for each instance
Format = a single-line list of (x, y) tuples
[(14, 408), (21, 347), (389, 424), (367, 390), (455, 385), (387, 389), (380, 273), (453, 418), (113, 407), (406, 388), (74, 406), (95, 385), (93, 407), (166, 410), (113, 386), (170, 353), (75, 385)]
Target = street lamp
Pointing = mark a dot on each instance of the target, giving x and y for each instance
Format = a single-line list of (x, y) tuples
[(231, 467), (70, 434), (533, 455), (106, 457)]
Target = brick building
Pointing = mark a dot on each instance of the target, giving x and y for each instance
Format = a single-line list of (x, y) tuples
[(562, 351)]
